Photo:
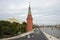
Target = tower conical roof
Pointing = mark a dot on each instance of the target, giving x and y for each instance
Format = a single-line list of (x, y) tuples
[(29, 9)]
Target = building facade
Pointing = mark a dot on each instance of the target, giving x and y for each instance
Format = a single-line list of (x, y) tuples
[(29, 26)]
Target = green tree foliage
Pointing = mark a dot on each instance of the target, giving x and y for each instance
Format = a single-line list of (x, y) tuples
[(23, 27), (3, 27), (7, 28)]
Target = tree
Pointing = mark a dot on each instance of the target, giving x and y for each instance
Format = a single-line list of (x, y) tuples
[(23, 27), (8, 28)]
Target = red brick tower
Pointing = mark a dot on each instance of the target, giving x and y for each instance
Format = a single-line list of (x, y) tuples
[(29, 20)]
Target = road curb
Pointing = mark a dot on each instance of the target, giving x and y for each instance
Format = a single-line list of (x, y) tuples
[(21, 35)]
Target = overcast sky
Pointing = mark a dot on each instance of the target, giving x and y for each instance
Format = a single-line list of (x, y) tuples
[(43, 11)]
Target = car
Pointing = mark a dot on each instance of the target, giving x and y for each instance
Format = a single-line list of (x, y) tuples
[(29, 35)]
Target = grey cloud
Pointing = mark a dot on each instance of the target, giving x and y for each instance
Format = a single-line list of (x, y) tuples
[(42, 12)]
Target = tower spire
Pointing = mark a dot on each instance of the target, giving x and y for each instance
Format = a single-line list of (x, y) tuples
[(29, 9), (29, 26)]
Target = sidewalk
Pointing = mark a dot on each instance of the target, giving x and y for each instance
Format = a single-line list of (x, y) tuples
[(21, 35), (50, 37)]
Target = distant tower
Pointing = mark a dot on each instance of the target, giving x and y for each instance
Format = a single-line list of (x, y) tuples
[(29, 20)]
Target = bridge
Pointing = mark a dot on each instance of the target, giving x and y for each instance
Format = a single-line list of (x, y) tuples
[(36, 34)]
